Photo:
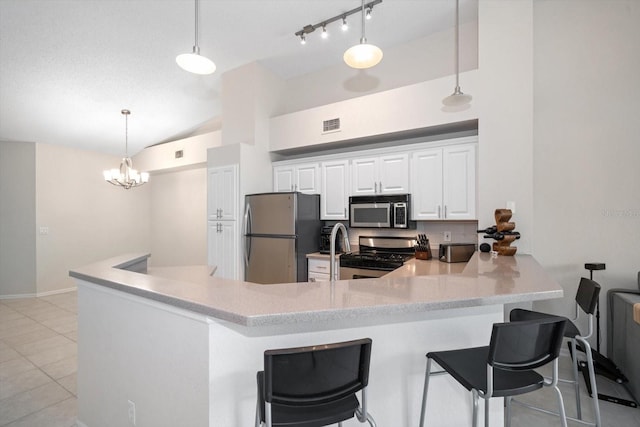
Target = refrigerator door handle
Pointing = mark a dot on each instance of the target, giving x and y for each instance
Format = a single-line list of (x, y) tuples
[(246, 228)]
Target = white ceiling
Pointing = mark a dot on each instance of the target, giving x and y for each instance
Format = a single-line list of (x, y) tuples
[(67, 67)]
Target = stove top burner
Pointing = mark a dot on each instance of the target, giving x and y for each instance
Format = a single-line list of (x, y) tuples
[(374, 260)]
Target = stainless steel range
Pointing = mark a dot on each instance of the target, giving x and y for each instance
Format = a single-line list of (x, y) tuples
[(377, 257)]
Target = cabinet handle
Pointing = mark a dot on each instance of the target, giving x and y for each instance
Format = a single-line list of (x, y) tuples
[(445, 211), (312, 279), (375, 187), (380, 186), (321, 267), (345, 213), (438, 211)]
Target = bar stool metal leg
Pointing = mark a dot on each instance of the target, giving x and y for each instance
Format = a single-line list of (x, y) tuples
[(474, 394), (576, 381), (592, 377), (424, 392), (507, 411)]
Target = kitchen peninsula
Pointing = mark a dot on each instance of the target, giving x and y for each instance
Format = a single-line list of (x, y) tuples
[(184, 347)]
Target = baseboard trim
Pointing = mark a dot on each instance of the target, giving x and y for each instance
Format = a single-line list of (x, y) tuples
[(38, 294)]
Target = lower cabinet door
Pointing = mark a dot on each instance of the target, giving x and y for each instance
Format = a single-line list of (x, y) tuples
[(223, 249)]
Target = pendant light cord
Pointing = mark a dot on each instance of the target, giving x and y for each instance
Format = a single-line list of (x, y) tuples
[(457, 47), (363, 39), (196, 26)]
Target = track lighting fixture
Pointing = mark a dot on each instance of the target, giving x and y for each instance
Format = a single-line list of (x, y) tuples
[(362, 55)]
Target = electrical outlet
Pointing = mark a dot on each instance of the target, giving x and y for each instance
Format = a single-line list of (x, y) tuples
[(447, 236), (132, 413)]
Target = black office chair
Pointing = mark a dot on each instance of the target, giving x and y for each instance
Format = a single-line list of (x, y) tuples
[(314, 386), (506, 367), (587, 300)]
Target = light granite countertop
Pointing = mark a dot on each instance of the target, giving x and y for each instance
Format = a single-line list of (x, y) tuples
[(416, 287)]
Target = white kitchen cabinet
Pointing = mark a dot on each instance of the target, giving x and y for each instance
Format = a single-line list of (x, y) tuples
[(223, 245), (304, 178), (334, 198), (318, 269), (443, 183), (388, 174), (222, 193)]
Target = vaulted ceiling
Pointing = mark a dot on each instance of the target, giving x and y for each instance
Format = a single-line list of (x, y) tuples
[(67, 67)]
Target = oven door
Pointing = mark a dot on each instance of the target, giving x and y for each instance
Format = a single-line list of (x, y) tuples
[(350, 273), (370, 215)]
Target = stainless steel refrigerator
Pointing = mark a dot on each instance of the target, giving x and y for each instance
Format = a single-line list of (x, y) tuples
[(280, 229)]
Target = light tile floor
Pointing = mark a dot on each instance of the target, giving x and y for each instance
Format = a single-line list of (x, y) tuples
[(38, 364), (38, 361)]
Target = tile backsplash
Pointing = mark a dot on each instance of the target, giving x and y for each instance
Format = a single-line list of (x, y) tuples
[(461, 232)]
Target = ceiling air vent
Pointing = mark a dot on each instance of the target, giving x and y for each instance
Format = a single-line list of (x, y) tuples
[(331, 125)]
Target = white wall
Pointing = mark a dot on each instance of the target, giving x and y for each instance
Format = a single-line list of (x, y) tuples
[(178, 218), (505, 105), (88, 219), (17, 218), (586, 147)]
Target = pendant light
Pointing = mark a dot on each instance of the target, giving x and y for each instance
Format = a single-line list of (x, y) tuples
[(363, 55), (126, 177), (194, 62), (457, 98)]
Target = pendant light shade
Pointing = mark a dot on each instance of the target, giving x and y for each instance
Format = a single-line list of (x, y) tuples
[(194, 62), (363, 55), (457, 98)]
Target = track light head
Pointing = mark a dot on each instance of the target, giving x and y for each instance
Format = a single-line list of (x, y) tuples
[(369, 10), (345, 26), (324, 33), (303, 39)]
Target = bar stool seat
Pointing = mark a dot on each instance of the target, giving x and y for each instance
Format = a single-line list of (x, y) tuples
[(468, 367)]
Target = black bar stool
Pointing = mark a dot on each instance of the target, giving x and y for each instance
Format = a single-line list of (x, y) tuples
[(587, 300), (314, 386), (506, 367)]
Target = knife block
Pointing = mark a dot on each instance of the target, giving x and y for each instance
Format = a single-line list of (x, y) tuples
[(426, 255)]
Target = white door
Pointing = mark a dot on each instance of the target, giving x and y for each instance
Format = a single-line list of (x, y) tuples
[(334, 198), (364, 176), (426, 184), (394, 174), (283, 178), (459, 182), (307, 178)]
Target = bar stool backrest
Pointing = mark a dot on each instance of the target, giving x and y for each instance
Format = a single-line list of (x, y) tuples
[(587, 295), (317, 374), (527, 344)]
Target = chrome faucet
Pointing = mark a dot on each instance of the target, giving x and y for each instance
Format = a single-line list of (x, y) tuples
[(332, 246)]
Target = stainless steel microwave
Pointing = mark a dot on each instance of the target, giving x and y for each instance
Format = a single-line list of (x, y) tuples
[(380, 211)]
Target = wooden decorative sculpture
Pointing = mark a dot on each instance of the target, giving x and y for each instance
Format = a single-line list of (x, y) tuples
[(502, 233)]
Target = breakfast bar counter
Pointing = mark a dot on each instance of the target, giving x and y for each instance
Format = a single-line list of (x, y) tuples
[(184, 347)]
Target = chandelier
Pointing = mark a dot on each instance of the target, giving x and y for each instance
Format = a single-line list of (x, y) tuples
[(126, 177)]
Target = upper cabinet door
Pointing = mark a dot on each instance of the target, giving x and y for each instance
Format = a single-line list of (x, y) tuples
[(426, 185), (459, 185), (394, 174), (364, 176), (334, 199), (222, 193), (308, 178), (304, 178), (283, 178)]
